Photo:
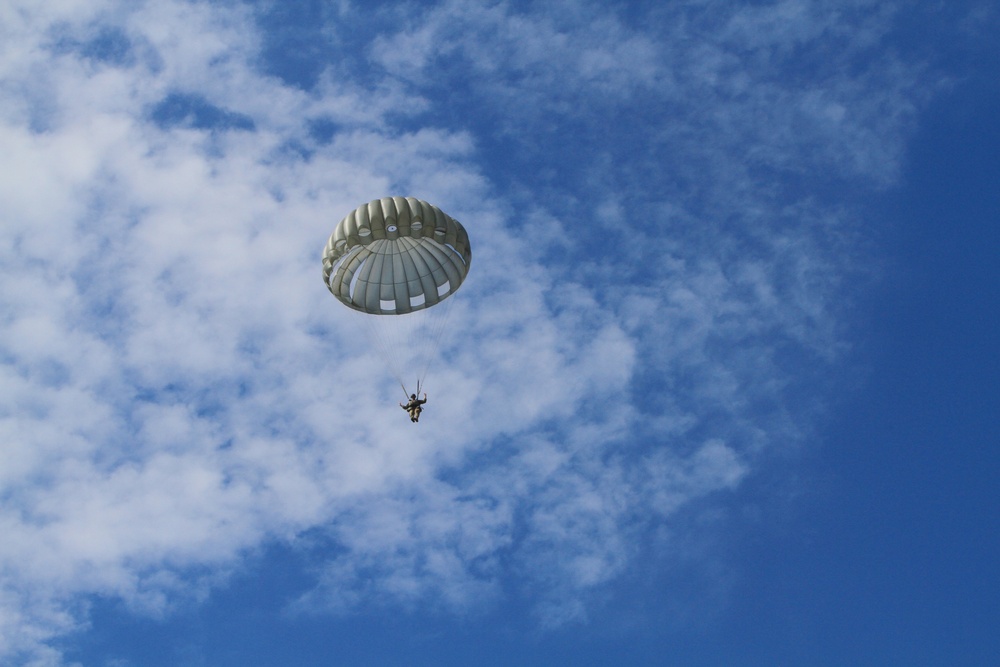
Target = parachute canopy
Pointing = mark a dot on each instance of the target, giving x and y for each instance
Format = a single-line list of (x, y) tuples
[(396, 255)]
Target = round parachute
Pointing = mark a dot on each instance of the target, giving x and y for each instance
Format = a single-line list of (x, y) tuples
[(399, 256), (396, 255)]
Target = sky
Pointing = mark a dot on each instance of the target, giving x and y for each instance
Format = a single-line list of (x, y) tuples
[(721, 387)]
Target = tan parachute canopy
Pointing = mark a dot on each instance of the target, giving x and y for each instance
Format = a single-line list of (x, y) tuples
[(396, 255)]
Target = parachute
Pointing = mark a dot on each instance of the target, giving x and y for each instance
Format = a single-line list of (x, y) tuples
[(393, 260)]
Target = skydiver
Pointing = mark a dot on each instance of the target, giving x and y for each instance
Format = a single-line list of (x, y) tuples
[(413, 407)]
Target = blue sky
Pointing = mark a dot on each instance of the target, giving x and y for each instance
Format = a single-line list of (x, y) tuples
[(720, 388)]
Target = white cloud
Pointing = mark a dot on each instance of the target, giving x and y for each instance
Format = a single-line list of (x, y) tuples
[(178, 389)]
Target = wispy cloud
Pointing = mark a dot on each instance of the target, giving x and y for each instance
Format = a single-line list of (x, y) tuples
[(178, 389)]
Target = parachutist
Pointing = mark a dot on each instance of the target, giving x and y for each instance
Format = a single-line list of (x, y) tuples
[(413, 407)]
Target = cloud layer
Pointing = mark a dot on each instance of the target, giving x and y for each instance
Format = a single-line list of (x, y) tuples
[(659, 250)]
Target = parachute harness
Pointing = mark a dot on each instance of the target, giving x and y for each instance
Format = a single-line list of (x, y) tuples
[(406, 394)]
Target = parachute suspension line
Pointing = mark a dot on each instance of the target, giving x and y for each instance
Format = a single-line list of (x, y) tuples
[(408, 343), (434, 335), (386, 346)]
